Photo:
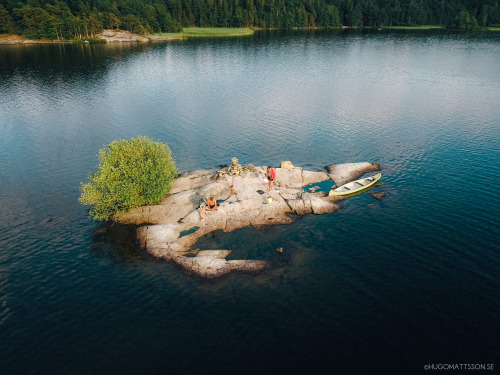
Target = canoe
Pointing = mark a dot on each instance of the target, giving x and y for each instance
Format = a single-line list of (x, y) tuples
[(356, 186)]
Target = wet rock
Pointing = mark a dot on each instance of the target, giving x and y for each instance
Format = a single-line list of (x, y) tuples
[(212, 264), (334, 198), (378, 195), (102, 230), (206, 266), (49, 221), (247, 265), (214, 253), (319, 206)]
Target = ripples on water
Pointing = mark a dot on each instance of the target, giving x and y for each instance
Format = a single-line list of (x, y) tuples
[(378, 287)]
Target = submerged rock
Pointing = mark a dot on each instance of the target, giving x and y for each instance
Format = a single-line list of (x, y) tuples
[(378, 195), (212, 263)]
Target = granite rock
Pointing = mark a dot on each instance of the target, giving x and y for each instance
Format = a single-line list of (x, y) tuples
[(344, 173), (169, 229)]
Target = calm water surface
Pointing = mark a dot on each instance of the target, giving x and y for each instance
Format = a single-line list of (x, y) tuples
[(379, 287)]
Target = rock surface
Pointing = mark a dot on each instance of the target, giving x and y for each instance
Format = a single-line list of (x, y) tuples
[(215, 265), (111, 36), (16, 39), (344, 173), (169, 229), (120, 36), (379, 195)]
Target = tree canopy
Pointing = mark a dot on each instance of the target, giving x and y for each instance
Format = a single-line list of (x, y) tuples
[(131, 173), (65, 19)]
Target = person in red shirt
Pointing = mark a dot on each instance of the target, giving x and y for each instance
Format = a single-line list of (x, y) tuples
[(271, 176)]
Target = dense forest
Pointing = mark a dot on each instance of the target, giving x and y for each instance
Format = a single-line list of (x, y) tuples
[(68, 19)]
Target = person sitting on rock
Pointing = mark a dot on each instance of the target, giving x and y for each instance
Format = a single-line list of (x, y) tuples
[(202, 207), (212, 204), (271, 176)]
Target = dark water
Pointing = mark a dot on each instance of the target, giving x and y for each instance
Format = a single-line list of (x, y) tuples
[(379, 287)]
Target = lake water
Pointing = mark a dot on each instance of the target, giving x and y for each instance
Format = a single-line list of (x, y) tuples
[(379, 287)]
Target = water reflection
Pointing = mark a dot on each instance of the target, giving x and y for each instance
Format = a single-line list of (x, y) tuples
[(63, 64), (118, 243), (423, 105)]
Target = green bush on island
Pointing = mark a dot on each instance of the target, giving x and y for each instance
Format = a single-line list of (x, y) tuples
[(131, 173)]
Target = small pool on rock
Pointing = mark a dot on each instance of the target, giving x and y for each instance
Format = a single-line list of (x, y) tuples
[(322, 186), (188, 231)]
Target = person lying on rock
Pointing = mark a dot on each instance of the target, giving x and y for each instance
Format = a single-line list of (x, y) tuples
[(212, 204), (202, 205)]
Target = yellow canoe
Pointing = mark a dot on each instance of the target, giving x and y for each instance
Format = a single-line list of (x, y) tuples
[(357, 186)]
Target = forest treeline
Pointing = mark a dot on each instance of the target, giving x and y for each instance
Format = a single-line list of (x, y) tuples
[(68, 19)]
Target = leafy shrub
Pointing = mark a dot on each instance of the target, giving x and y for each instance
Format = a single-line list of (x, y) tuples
[(130, 174)]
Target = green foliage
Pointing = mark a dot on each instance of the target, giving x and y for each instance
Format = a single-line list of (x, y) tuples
[(7, 24), (464, 21), (131, 173), (36, 22), (134, 24), (67, 19)]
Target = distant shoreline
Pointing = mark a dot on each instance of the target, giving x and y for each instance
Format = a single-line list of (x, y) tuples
[(123, 36), (106, 36)]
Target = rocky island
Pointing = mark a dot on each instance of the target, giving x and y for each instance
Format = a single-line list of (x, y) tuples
[(169, 229), (109, 36)]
